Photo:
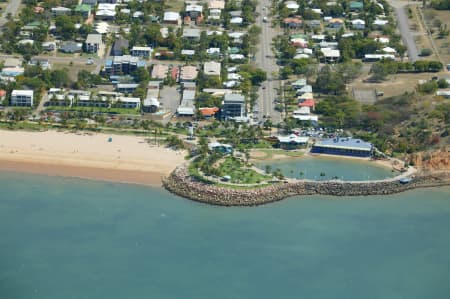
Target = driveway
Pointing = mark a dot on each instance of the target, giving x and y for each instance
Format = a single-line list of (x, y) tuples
[(170, 98)]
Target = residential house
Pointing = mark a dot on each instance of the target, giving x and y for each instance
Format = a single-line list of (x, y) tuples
[(159, 71), (389, 50), (21, 97), (236, 37), (60, 11), (172, 18), (48, 46), (292, 5), (208, 112), (93, 43), (188, 73), (379, 23), (43, 63), (193, 10), (304, 114), (214, 14), (150, 105), (315, 24), (57, 97), (335, 23), (120, 45), (191, 34), (377, 57), (443, 93), (80, 97), (126, 87), (330, 55), (70, 47), (187, 107), (292, 23), (187, 53), (235, 57), (92, 3), (358, 24), (212, 68), (106, 11), (356, 6), (236, 21), (308, 103), (128, 102), (141, 51), (101, 27), (215, 8), (233, 106), (83, 9)]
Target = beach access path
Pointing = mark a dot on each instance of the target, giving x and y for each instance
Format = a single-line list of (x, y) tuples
[(126, 158)]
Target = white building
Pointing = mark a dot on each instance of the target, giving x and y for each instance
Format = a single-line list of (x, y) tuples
[(128, 102), (171, 17), (141, 51), (93, 43), (304, 114), (22, 97), (212, 68)]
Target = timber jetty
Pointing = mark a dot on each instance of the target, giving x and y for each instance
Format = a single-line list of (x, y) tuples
[(181, 183)]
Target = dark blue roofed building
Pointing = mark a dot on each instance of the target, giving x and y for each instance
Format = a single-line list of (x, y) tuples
[(343, 146)]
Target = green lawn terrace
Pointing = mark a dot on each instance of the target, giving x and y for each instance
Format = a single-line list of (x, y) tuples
[(229, 170)]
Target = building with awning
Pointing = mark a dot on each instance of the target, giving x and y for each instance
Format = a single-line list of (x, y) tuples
[(292, 141), (343, 146)]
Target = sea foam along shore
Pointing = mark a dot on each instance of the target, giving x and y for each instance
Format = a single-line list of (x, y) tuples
[(126, 158), (182, 184)]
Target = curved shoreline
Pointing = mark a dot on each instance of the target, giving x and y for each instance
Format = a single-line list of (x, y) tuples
[(182, 184)]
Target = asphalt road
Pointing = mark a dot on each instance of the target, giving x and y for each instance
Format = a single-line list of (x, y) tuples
[(11, 7), (265, 60), (403, 27)]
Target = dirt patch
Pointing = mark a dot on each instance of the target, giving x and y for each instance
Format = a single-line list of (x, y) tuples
[(434, 20), (395, 84)]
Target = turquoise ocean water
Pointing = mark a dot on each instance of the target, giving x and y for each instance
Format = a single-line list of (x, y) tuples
[(75, 239)]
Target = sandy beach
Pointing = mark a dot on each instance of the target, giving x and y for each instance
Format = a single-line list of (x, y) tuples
[(127, 159)]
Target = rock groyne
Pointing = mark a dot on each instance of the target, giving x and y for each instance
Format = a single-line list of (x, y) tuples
[(182, 184)]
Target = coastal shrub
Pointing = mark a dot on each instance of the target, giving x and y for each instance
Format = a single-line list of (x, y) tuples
[(426, 52), (174, 142)]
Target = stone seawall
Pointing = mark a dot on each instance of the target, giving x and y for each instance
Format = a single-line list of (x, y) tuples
[(180, 183)]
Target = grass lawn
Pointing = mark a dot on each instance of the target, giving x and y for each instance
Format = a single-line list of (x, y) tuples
[(239, 174)]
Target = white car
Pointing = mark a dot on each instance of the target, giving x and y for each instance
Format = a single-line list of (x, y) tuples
[(90, 61)]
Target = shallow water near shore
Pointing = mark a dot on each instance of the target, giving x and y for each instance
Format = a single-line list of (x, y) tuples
[(71, 238), (326, 168)]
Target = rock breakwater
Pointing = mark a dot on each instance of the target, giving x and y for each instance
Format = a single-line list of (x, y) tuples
[(182, 184)]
